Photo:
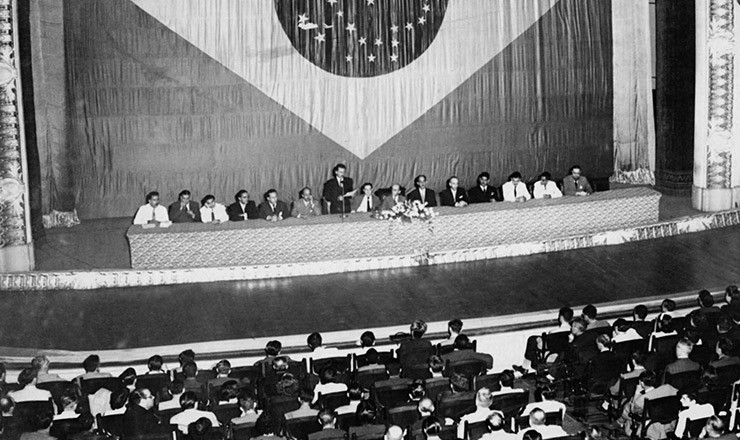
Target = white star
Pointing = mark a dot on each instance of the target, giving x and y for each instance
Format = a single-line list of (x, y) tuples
[(394, 58), (422, 20), (394, 43), (370, 2), (409, 26), (348, 58), (378, 42), (302, 18), (332, 2), (351, 27), (363, 41), (340, 14), (320, 38), (394, 28), (426, 8), (371, 58)]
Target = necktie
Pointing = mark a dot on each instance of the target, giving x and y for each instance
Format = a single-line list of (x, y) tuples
[(213, 215), (368, 203), (273, 207), (154, 214)]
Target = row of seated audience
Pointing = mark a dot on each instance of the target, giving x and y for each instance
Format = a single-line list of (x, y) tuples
[(419, 391), (340, 197)]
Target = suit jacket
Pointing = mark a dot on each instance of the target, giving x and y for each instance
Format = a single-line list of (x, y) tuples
[(463, 355), (477, 195), (414, 352), (429, 197), (681, 366), (138, 421), (178, 215), (570, 188), (445, 197), (359, 198), (388, 202), (235, 211), (333, 190), (265, 210), (301, 209), (327, 434)]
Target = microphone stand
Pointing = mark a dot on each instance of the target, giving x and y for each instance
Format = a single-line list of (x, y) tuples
[(341, 183)]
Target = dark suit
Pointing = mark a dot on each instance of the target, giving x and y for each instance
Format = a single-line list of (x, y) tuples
[(414, 352), (464, 355), (681, 366), (388, 202), (138, 421), (446, 199), (333, 190), (478, 195), (360, 198), (266, 210), (327, 434), (179, 215), (235, 211), (429, 197)]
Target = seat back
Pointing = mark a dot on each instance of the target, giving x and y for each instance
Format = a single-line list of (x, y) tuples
[(664, 344), (510, 403), (166, 415), (366, 379), (474, 431), (112, 425), (91, 386), (156, 383), (56, 389), (467, 367), (456, 405), (627, 387), (224, 413), (444, 349), (694, 427), (279, 405), (555, 342), (662, 410), (551, 418), (340, 363), (685, 380), (390, 396), (333, 400), (416, 372), (435, 386), (702, 354), (728, 375), (346, 421), (490, 381), (299, 428), (626, 348), (384, 357), (403, 416), (244, 431), (247, 372)]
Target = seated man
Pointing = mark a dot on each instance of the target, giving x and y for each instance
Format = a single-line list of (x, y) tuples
[(223, 368), (366, 201), (184, 210), (415, 351), (154, 365), (305, 206), (605, 367), (356, 394), (724, 349), (272, 350), (545, 399), (268, 427), (589, 314), (482, 193), (682, 363), (483, 401), (463, 350), (574, 184), (393, 199), (496, 424), (506, 381), (211, 211), (306, 397), (328, 421), (242, 208), (515, 190), (248, 409), (694, 411), (328, 383), (91, 365), (190, 369), (537, 422), (421, 192), (426, 409), (545, 188), (42, 363), (139, 419), (69, 422), (632, 412), (272, 209), (190, 413), (366, 415), (318, 350), (623, 332), (176, 390), (152, 212), (29, 392), (453, 195)]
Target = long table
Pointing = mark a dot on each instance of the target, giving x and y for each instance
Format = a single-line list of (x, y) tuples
[(330, 238)]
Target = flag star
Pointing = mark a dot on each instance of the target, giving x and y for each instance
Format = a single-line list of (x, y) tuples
[(426, 8), (378, 42), (394, 43), (409, 26), (371, 58), (370, 2), (320, 38), (351, 27), (332, 2), (363, 41), (348, 58), (394, 58), (340, 14), (394, 28), (302, 18), (422, 20)]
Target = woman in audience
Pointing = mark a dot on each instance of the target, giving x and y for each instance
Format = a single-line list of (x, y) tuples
[(431, 428)]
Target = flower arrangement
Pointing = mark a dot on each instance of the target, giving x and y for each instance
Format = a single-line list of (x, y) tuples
[(408, 212)]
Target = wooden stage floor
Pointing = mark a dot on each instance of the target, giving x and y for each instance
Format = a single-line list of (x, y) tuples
[(156, 316)]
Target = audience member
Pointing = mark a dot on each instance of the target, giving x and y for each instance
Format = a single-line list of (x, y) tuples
[(191, 383), (91, 365), (355, 393), (694, 411), (328, 383), (28, 393), (248, 409), (267, 427), (176, 390), (632, 412), (545, 188), (605, 367), (394, 432), (482, 192), (432, 428), (184, 210), (454, 328), (537, 422), (154, 365), (366, 201), (41, 364), (643, 328), (306, 398), (545, 400), (574, 184), (417, 390), (715, 428), (367, 339), (732, 300), (138, 418), (272, 350), (682, 363), (483, 401), (69, 423), (463, 350), (706, 302), (506, 382), (453, 195), (368, 426), (496, 424), (272, 209), (242, 209), (723, 349), (514, 190), (190, 413), (426, 409), (152, 211), (328, 421), (589, 314), (565, 316), (29, 424), (305, 207), (212, 211), (623, 332), (415, 351), (392, 199), (318, 350), (223, 369), (421, 193)]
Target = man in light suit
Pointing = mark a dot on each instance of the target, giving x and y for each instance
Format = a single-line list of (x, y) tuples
[(574, 184), (393, 198), (453, 195), (367, 202), (242, 208), (305, 206), (421, 192)]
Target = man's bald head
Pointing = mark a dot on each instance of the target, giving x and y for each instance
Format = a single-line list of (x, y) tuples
[(394, 433)]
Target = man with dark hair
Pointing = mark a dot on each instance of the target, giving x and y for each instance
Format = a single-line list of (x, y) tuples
[(565, 316), (242, 208), (366, 201), (138, 418), (514, 190), (694, 411), (305, 410), (421, 193), (272, 350), (176, 390), (459, 384), (482, 192), (463, 350), (453, 195), (724, 349), (267, 427), (589, 314), (248, 407), (454, 328), (415, 351), (355, 393), (506, 381), (328, 383), (223, 369), (328, 421), (305, 207), (29, 392), (545, 188), (338, 190), (642, 327), (154, 365), (538, 422), (151, 212), (366, 415), (646, 390), (575, 184), (91, 365), (184, 210), (212, 211), (190, 413), (732, 300), (623, 331), (272, 209), (605, 366), (69, 422), (706, 303), (318, 351), (191, 383)]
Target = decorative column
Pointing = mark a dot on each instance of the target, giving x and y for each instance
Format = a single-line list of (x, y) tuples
[(717, 122), (16, 247)]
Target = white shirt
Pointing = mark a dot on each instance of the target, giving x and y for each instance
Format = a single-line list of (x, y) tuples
[(219, 211), (185, 418), (511, 193), (550, 189), (170, 404), (479, 415), (326, 388), (547, 431), (630, 335), (322, 352), (548, 406), (363, 205), (146, 213), (695, 412), (29, 393)]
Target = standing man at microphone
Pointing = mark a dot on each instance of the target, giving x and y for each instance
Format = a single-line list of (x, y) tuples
[(184, 210), (338, 191)]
